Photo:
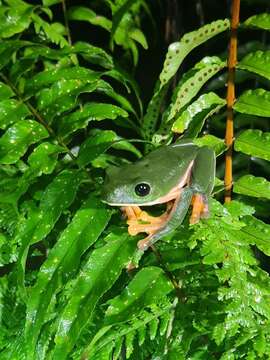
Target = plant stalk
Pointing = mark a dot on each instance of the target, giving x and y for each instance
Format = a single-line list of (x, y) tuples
[(229, 137), (64, 7)]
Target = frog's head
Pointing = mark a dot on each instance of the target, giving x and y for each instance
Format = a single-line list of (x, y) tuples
[(128, 186), (149, 181), (134, 184)]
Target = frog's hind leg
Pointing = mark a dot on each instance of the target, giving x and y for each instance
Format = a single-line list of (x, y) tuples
[(202, 183), (200, 208)]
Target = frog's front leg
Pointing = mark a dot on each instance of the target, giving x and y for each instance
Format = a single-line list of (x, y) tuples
[(199, 188)]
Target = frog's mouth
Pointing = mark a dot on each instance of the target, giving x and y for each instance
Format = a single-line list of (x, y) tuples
[(171, 195)]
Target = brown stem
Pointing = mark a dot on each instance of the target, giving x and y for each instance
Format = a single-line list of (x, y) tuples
[(64, 7), (232, 60), (179, 292)]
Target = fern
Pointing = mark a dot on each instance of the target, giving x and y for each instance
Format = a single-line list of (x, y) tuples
[(69, 108)]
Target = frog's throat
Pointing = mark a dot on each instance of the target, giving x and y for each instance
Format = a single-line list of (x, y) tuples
[(171, 195)]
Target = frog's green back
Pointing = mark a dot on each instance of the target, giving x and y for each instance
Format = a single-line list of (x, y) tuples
[(161, 169)]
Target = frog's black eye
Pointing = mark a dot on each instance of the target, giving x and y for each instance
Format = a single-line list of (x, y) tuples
[(142, 189)]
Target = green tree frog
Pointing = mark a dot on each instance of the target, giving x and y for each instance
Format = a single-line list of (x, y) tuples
[(179, 174)]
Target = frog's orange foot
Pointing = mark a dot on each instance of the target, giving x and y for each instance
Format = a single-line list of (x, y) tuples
[(131, 212), (135, 228), (200, 208), (141, 221)]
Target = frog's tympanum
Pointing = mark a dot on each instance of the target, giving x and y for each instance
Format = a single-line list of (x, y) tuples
[(179, 175)]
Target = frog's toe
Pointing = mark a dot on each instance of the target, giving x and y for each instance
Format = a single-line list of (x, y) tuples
[(200, 209), (131, 212), (144, 244), (135, 228)]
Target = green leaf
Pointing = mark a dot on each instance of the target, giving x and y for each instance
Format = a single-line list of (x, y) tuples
[(100, 141), (254, 102), (106, 88), (259, 232), (130, 337), (15, 19), (196, 78), (63, 261), (109, 334), (197, 112), (50, 2), (89, 112), (57, 197), (44, 158), (16, 140), (261, 21), (128, 81), (119, 13), (258, 63), (97, 276), (252, 186), (179, 50), (49, 77), (150, 119), (93, 54), (62, 96), (54, 32), (212, 142), (255, 143), (82, 13), (5, 91), (21, 68), (147, 287), (11, 111), (7, 48)]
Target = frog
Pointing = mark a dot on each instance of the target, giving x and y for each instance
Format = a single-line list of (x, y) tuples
[(180, 175)]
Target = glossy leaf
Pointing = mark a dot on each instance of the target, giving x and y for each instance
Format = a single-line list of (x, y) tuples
[(82, 13), (121, 10), (62, 96), (16, 140), (7, 48), (128, 81), (213, 142), (150, 119), (100, 141), (5, 91), (63, 261), (196, 113), (258, 63), (111, 334), (11, 111), (14, 20), (106, 89), (255, 143), (89, 112), (44, 158), (252, 186), (196, 78), (261, 21), (54, 32), (93, 54), (254, 102), (57, 197), (48, 77), (50, 2), (90, 285), (179, 50), (259, 232), (148, 285)]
